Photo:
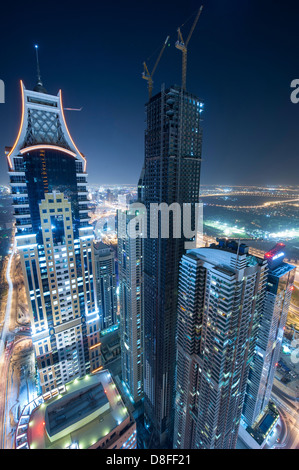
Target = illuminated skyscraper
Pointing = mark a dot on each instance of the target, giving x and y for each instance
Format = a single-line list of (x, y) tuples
[(130, 262), (171, 174), (221, 293), (270, 334), (48, 181), (106, 285)]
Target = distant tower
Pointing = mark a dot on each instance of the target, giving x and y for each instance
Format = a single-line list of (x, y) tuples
[(55, 241), (270, 334), (221, 292), (106, 285), (130, 263)]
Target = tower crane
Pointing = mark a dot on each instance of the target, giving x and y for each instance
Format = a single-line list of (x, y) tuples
[(180, 44), (149, 76)]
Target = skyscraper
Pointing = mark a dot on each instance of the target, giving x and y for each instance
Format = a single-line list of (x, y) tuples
[(130, 264), (270, 334), (221, 293), (171, 174), (106, 285), (48, 181)]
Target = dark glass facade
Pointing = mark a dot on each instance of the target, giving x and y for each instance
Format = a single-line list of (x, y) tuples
[(48, 170), (171, 174)]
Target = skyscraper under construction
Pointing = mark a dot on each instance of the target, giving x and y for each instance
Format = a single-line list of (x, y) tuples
[(171, 174)]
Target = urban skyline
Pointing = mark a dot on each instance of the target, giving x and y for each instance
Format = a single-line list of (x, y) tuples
[(240, 53)]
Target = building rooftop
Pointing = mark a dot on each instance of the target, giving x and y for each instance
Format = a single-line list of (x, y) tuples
[(89, 409), (264, 424), (99, 245), (230, 245), (227, 254), (79, 404), (282, 269)]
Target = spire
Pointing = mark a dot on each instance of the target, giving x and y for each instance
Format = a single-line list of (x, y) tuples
[(39, 85)]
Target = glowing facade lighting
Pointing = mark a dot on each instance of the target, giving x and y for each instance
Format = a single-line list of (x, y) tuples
[(20, 129), (46, 146)]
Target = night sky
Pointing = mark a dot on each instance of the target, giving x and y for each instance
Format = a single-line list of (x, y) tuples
[(242, 58)]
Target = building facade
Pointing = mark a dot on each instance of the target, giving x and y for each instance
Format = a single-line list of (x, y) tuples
[(48, 184), (106, 285), (221, 292), (280, 285), (171, 174), (130, 266)]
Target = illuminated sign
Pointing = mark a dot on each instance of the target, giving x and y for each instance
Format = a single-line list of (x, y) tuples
[(276, 252)]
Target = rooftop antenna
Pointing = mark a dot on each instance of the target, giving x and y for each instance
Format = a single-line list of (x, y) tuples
[(37, 65)]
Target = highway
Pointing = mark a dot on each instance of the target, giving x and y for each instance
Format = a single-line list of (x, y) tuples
[(4, 357), (13, 359), (288, 409), (9, 302)]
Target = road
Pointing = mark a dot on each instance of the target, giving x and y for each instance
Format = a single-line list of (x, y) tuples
[(4, 356), (15, 360), (288, 409), (5, 327), (19, 383)]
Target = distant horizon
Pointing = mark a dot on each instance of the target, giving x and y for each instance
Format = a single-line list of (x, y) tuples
[(209, 184), (268, 185), (241, 64)]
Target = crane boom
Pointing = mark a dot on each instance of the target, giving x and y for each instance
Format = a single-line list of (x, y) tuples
[(149, 76), (194, 24), (180, 44)]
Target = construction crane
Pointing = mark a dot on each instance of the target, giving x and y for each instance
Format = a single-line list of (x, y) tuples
[(180, 44), (149, 76)]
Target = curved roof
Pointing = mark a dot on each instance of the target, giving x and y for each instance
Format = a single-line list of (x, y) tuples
[(42, 123)]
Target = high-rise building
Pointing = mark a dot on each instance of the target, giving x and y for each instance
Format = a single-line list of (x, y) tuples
[(270, 334), (123, 200), (48, 183), (221, 293), (171, 174), (130, 263), (106, 285)]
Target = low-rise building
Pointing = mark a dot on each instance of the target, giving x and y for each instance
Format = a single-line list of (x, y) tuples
[(87, 413)]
